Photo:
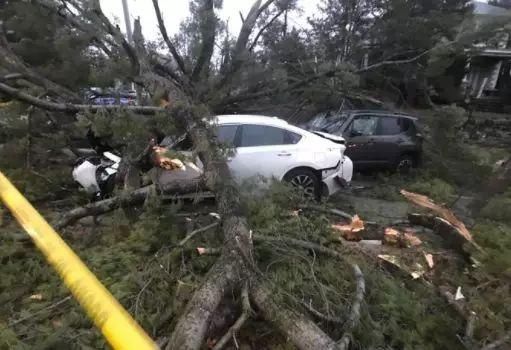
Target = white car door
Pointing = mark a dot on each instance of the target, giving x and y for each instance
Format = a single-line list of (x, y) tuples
[(263, 150)]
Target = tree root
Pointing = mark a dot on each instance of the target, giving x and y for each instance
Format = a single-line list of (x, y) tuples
[(245, 315)]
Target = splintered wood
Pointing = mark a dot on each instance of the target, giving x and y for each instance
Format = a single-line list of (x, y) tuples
[(351, 232), (443, 212)]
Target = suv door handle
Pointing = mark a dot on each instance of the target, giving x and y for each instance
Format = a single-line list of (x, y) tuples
[(284, 154)]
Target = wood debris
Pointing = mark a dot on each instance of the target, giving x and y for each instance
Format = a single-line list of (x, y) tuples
[(393, 237), (37, 297), (446, 224), (164, 162), (415, 271), (351, 232), (429, 260)]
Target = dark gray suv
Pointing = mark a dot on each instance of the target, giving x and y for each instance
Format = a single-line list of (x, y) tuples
[(375, 139)]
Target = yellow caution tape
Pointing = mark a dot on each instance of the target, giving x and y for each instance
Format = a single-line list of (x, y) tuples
[(120, 330)]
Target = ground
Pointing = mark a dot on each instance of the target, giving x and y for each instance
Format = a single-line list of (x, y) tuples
[(135, 255)]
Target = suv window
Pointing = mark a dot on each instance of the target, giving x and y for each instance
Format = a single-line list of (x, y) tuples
[(261, 135), (364, 125), (226, 134), (407, 125), (390, 126)]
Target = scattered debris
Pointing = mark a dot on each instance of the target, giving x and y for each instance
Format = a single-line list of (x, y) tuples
[(351, 232), (393, 237), (458, 295), (416, 271), (296, 213), (37, 297), (429, 260), (165, 162), (444, 228)]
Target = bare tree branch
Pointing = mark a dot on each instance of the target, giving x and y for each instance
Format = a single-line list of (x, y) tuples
[(354, 316), (133, 198), (97, 16), (266, 26), (394, 62), (72, 108), (170, 45), (240, 49), (242, 18), (208, 34)]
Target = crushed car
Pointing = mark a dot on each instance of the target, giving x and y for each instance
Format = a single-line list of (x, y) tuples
[(266, 147)]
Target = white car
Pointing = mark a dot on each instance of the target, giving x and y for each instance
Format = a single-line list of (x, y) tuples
[(272, 148)]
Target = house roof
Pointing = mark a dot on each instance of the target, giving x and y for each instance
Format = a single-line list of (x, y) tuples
[(484, 9)]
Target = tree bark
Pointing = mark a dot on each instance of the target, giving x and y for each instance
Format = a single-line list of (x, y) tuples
[(298, 329)]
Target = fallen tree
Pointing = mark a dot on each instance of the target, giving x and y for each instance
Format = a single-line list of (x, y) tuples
[(235, 269)]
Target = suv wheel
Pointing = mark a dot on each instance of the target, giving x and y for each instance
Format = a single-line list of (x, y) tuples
[(306, 180), (405, 164)]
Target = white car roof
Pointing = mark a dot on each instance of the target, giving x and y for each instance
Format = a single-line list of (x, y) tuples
[(249, 119)]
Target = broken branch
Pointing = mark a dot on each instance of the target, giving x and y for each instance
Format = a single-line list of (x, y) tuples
[(354, 316), (193, 233)]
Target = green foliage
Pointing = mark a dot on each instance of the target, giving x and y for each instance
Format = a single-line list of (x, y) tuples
[(498, 208), (127, 258), (402, 315), (42, 40), (437, 189), (496, 239)]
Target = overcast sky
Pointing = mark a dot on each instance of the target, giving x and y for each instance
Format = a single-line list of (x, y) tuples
[(174, 11)]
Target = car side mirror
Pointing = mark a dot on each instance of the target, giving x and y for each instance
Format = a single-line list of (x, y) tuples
[(355, 133)]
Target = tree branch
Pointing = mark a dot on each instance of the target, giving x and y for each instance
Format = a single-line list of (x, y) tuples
[(170, 45), (354, 316), (393, 62), (240, 49), (266, 26), (208, 33), (300, 330), (498, 343), (72, 108), (133, 198)]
